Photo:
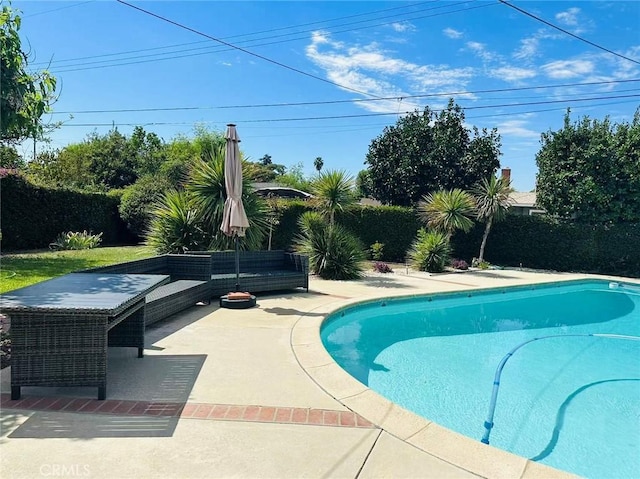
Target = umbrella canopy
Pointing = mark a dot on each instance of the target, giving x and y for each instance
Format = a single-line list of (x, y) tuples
[(234, 218)]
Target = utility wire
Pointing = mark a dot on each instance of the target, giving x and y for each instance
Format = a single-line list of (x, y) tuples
[(368, 115), (271, 30), (355, 100), (600, 47), (250, 42), (59, 8), (262, 57)]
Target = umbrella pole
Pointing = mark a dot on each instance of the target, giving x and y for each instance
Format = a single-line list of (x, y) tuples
[(237, 266)]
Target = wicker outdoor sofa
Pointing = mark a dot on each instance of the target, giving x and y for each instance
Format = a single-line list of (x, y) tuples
[(189, 283), (260, 271), (202, 275)]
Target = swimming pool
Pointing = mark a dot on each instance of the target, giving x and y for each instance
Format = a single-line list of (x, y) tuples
[(569, 402)]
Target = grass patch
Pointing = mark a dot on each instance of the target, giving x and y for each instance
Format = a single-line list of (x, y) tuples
[(22, 269)]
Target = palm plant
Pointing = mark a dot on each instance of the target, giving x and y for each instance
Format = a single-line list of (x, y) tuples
[(430, 251), (333, 191), (334, 253), (448, 210), (176, 225), (207, 188), (492, 197)]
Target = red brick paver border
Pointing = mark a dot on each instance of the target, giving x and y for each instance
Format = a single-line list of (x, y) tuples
[(217, 412)]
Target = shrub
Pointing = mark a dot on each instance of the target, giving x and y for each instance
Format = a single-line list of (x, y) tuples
[(480, 264), (138, 200), (76, 240), (333, 252), (381, 267), (459, 264), (377, 250), (430, 251)]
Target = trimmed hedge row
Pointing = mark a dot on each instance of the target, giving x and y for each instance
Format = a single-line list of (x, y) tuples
[(538, 242), (394, 226), (542, 242), (31, 217)]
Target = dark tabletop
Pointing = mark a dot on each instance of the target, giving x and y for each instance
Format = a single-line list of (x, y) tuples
[(82, 293)]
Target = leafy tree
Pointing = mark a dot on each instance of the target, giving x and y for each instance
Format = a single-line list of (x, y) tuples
[(294, 177), (588, 170), (266, 160), (426, 152), (111, 161), (138, 200), (180, 153), (364, 187), (318, 163), (24, 96), (148, 151), (447, 211), (264, 173), (492, 203), (9, 158)]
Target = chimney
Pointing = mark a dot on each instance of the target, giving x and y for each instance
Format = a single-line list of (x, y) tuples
[(506, 174)]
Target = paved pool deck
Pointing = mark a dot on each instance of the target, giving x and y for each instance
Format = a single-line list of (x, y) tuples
[(250, 394)]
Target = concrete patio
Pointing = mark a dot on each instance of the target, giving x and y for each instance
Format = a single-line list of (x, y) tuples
[(249, 393)]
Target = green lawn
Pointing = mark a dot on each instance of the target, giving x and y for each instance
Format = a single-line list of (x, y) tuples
[(18, 270)]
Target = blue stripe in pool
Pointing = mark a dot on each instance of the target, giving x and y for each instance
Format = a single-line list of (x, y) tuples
[(569, 402)]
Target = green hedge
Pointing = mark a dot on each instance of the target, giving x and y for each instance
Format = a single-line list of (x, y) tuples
[(542, 242), (31, 217), (396, 227), (538, 242)]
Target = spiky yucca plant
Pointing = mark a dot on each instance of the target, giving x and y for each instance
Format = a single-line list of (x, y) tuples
[(448, 210), (493, 199), (333, 191), (334, 253), (176, 225), (430, 251), (207, 188)]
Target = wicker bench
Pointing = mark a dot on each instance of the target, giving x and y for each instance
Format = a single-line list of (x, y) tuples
[(190, 282), (260, 271)]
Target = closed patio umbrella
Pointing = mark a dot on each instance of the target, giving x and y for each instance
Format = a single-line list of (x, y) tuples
[(234, 218)]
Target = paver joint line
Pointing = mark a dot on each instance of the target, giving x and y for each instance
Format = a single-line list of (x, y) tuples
[(217, 412)]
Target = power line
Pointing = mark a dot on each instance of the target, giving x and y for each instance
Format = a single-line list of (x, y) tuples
[(251, 42), (59, 8), (262, 57), (368, 115), (600, 47), (355, 100), (270, 30)]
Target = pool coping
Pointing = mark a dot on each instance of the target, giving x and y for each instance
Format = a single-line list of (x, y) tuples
[(454, 448)]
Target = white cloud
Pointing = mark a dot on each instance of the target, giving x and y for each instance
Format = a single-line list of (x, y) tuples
[(562, 69), (451, 33), (402, 27), (370, 69), (516, 128), (569, 17), (528, 48), (512, 74), (480, 49)]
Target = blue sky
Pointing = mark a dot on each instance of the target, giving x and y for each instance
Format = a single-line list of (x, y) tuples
[(108, 57)]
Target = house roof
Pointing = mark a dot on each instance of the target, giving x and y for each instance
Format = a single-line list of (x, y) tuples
[(523, 199), (279, 191)]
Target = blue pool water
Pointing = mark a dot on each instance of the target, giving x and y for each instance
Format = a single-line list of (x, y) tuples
[(571, 402)]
